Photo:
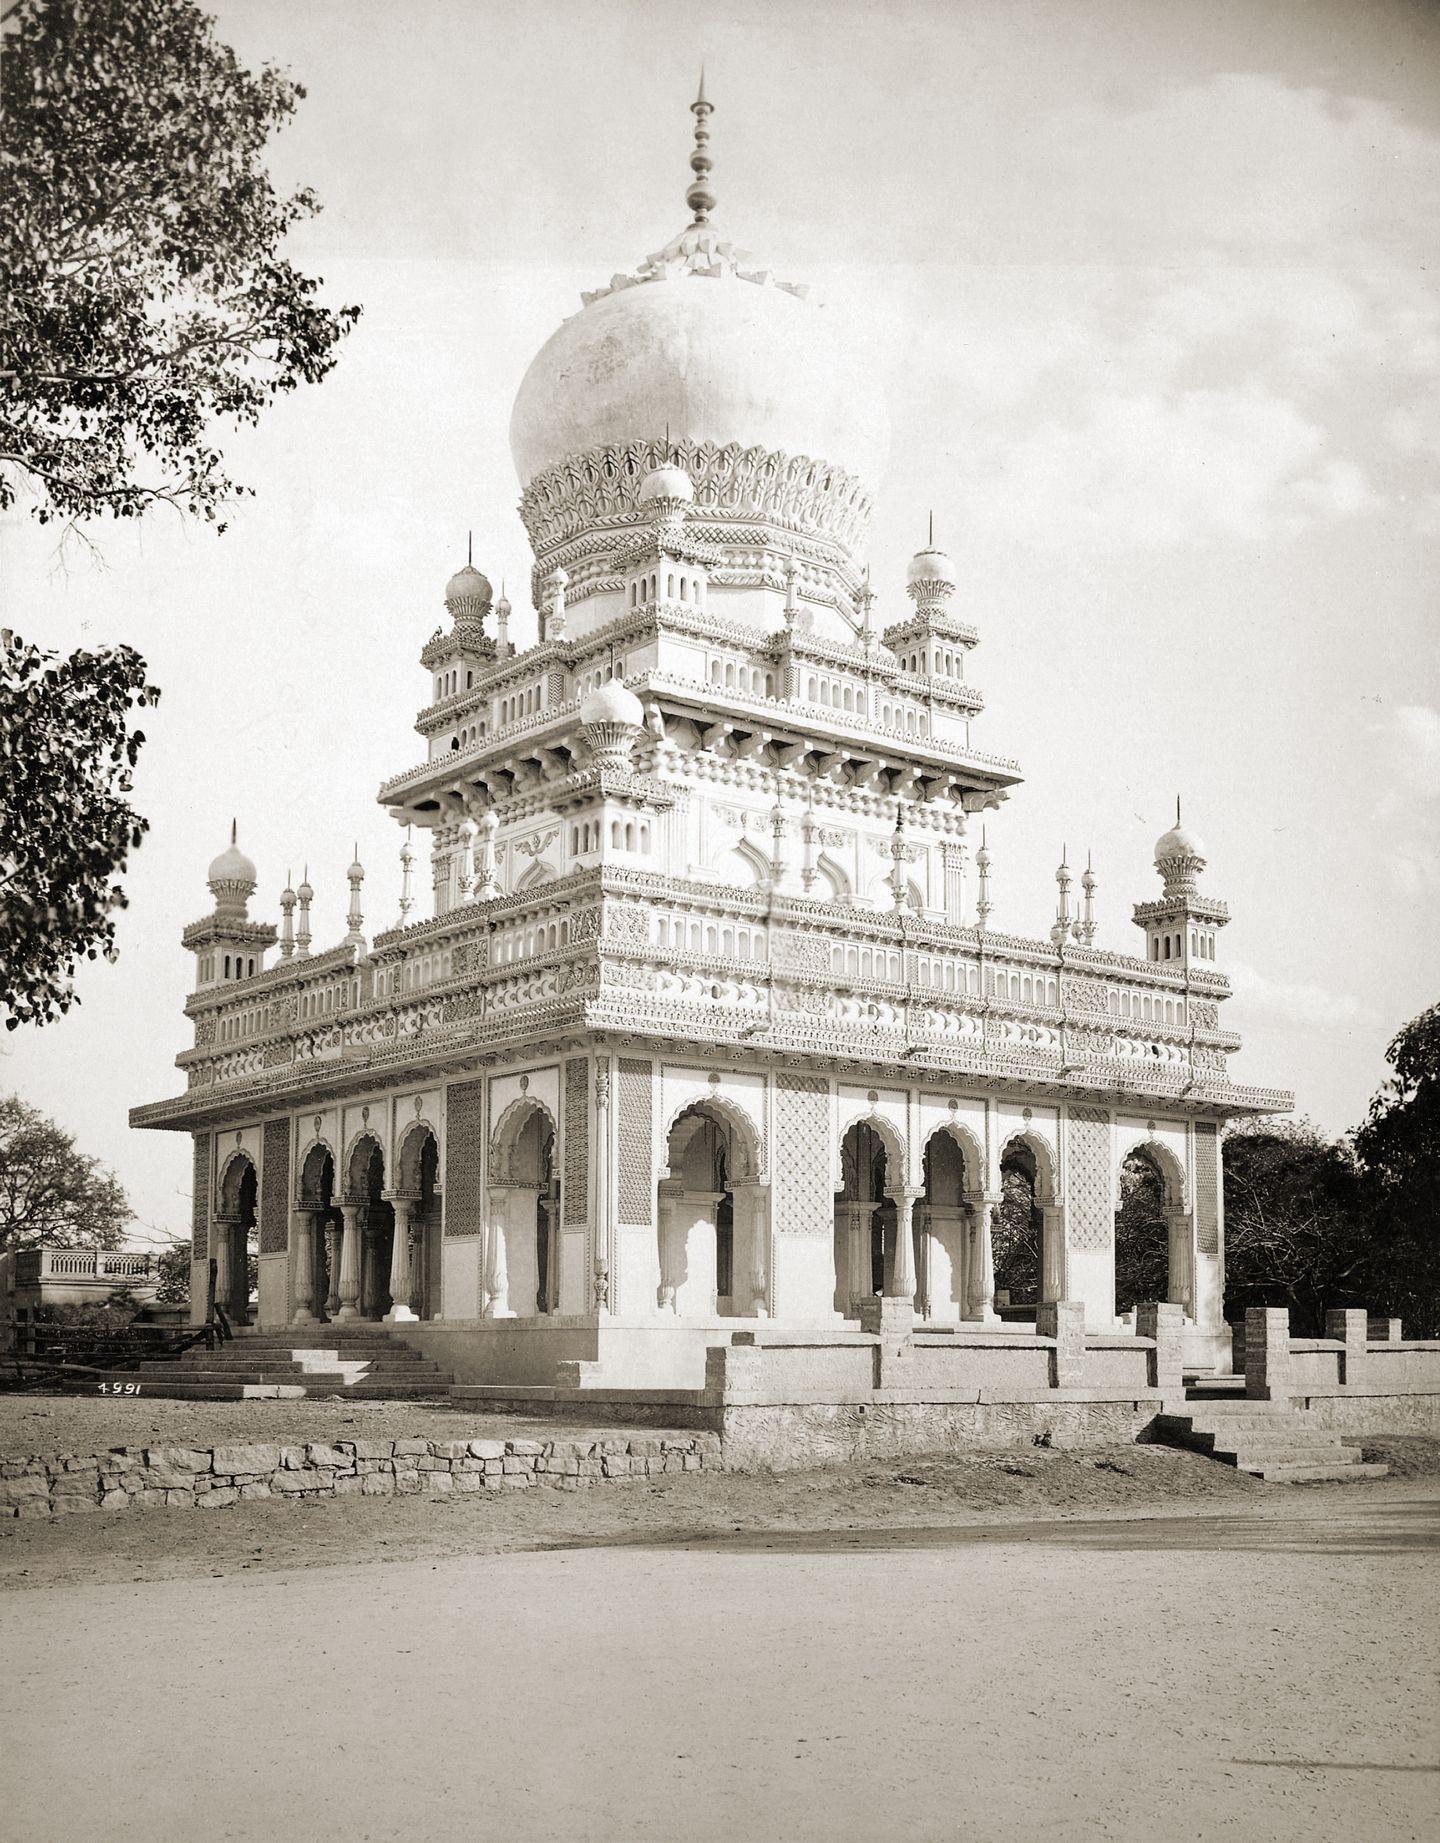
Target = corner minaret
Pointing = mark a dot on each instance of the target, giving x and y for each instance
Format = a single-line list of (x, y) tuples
[(456, 659), (227, 945), (1182, 926)]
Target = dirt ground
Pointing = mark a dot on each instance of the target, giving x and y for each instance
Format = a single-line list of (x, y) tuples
[(945, 1492), (1260, 1667)]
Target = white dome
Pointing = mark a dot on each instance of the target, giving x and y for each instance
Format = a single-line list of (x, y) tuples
[(713, 357), (467, 581), (612, 702), (1178, 842), (232, 866), (931, 566), (668, 482)]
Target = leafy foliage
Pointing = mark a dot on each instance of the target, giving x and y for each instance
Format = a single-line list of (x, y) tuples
[(49, 1191), (1015, 1230), (1399, 1148), (172, 1267), (147, 296), (1142, 1243), (66, 826), (1297, 1223)]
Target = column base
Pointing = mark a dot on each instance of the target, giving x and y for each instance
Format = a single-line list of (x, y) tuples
[(346, 1314), (302, 1315), (400, 1315)]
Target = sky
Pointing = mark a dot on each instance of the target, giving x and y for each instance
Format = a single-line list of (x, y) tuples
[(1151, 285)]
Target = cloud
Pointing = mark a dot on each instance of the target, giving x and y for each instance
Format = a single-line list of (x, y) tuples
[(1408, 763), (1314, 1007)]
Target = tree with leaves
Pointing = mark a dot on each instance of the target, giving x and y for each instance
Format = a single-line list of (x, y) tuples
[(51, 1193), (147, 296), (1399, 1151), (172, 1271), (67, 749), (1297, 1223)]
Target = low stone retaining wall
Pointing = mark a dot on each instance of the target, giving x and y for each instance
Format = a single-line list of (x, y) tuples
[(211, 1478)]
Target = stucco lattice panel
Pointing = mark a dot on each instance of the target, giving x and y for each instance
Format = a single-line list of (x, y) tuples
[(1207, 1188), (275, 1188), (200, 1207), (465, 1158), (800, 1186), (1091, 1213), (577, 1140), (637, 1182)]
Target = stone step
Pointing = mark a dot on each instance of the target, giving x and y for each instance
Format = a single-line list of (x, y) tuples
[(247, 1359), (1225, 1426), (1262, 1442), (1304, 1474), (170, 1388), (1249, 1458)]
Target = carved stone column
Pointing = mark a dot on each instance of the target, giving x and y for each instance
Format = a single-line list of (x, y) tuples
[(601, 1278), (400, 1310), (369, 1270), (302, 1234), (981, 1265), (349, 1287), (902, 1268), (1052, 1253), (497, 1280), (332, 1267), (856, 1219), (923, 1306), (224, 1238), (1178, 1234), (752, 1215)]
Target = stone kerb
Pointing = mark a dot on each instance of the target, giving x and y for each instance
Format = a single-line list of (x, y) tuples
[(1064, 1320), (1164, 1321), (1267, 1352), (210, 1478), (1352, 1329)]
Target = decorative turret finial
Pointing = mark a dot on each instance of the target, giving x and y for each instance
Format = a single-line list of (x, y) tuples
[(700, 198), (407, 865), (1085, 928), (1060, 932), (867, 611), (355, 920), (983, 904), (287, 923), (307, 896)]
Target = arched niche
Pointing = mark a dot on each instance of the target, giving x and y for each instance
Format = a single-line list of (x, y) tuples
[(522, 1251), (711, 1216), (1153, 1256)]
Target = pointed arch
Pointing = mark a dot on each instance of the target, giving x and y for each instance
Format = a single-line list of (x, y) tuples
[(1172, 1172), (538, 873), (358, 1157), (739, 1129), (411, 1151), (835, 876), (229, 1179), (310, 1185), (510, 1130), (971, 1151), (897, 1163), (1046, 1191), (743, 866)]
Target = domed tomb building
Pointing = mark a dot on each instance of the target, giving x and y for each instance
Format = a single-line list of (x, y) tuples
[(707, 1028)]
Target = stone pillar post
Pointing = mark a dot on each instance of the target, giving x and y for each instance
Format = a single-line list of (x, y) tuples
[(1064, 1320), (332, 1268), (1267, 1353), (1351, 1327), (1165, 1322), (400, 1310), (302, 1236), (923, 1306), (369, 1270), (752, 1218), (1179, 1234), (902, 1272), (665, 1211), (601, 1280), (1052, 1253), (349, 1288), (856, 1219), (497, 1276), (981, 1264), (223, 1235)]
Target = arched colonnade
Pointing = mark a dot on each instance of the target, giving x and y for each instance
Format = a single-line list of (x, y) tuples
[(369, 1253)]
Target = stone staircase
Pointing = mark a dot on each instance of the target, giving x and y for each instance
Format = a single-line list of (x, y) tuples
[(362, 1362), (1267, 1439)]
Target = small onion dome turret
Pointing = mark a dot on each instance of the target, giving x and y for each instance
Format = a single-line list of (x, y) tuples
[(667, 483), (232, 866), (305, 892), (612, 718), (467, 592), (930, 566), (1179, 842)]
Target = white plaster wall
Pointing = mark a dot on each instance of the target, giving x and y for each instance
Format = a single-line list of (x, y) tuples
[(274, 1291), (460, 1276), (635, 1270), (803, 1286)]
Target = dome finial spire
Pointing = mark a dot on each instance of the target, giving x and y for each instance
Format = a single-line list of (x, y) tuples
[(699, 197)]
